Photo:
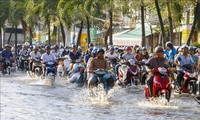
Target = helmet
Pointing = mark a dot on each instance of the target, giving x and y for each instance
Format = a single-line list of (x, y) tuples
[(191, 48), (73, 46), (128, 48), (61, 46), (144, 48), (184, 46), (7, 45), (158, 48), (100, 51), (35, 47), (179, 49), (91, 45), (90, 49), (112, 48), (94, 51), (169, 43), (47, 47)]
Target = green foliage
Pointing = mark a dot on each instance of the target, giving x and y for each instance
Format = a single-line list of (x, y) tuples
[(196, 44)]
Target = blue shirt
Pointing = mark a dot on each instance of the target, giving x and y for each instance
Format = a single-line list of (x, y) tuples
[(7, 54), (86, 58), (74, 56), (195, 58), (171, 54), (187, 60)]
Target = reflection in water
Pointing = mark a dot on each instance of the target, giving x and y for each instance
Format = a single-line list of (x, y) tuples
[(26, 98)]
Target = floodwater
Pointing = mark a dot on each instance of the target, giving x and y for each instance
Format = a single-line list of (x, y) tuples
[(25, 98)]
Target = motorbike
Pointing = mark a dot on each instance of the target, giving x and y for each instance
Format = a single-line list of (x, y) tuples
[(161, 84), (77, 73), (101, 79), (37, 67), (8, 66), (189, 84), (50, 72), (128, 74), (143, 71), (24, 63)]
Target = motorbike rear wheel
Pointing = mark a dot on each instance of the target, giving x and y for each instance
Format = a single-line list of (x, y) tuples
[(192, 88)]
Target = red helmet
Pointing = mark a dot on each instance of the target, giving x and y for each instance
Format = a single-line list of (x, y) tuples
[(128, 48)]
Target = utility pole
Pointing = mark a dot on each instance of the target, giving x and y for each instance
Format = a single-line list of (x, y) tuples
[(143, 25)]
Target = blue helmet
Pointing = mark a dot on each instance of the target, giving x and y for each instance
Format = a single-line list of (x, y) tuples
[(191, 48), (94, 51), (112, 48)]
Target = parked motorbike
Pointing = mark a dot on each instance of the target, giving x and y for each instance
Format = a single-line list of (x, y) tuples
[(189, 84), (128, 74), (77, 74), (161, 84)]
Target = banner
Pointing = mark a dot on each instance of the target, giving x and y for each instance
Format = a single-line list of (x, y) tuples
[(93, 34)]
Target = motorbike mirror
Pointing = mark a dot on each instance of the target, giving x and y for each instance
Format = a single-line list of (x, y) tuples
[(121, 57)]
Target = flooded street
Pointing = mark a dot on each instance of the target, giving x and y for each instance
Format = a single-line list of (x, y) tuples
[(23, 100)]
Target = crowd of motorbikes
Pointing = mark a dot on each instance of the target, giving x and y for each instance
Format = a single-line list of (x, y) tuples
[(130, 73)]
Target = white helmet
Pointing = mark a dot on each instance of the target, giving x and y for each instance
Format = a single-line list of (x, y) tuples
[(184, 46)]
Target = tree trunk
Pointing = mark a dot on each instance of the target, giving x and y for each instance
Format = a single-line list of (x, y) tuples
[(160, 20), (15, 40), (79, 34), (62, 32), (1, 40), (111, 38), (170, 21), (49, 33), (142, 20), (30, 36), (196, 13), (11, 32), (106, 38), (88, 30)]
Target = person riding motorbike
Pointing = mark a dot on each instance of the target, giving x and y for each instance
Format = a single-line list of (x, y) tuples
[(24, 52), (46, 57), (192, 53), (6, 54), (34, 55), (88, 55), (182, 59), (155, 62), (172, 51), (126, 56), (56, 51), (73, 56), (111, 54), (99, 63)]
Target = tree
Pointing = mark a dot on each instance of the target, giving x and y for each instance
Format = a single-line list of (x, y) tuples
[(196, 22)]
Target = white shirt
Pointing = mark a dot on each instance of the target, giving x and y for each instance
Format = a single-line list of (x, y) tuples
[(34, 56), (45, 57), (57, 54), (110, 56)]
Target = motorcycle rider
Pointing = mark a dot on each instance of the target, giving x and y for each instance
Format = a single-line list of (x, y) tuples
[(172, 51), (6, 54), (88, 55), (99, 63), (182, 59), (24, 52), (155, 62), (47, 56), (34, 55), (73, 56), (111, 54), (56, 51), (192, 53)]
